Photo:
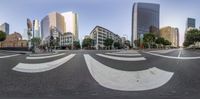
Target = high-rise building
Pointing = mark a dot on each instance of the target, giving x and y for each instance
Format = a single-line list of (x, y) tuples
[(171, 34), (71, 24), (191, 23), (145, 18), (5, 28), (54, 19), (99, 34), (36, 29)]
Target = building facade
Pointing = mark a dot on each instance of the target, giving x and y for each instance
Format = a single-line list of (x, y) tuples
[(5, 28), (145, 17), (66, 39), (14, 41), (99, 34), (171, 34), (36, 29), (54, 19), (191, 23), (71, 24)]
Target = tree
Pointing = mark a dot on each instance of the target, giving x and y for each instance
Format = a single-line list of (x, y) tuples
[(87, 43), (57, 41), (77, 44), (2, 36), (108, 43), (160, 41), (51, 43), (36, 41), (166, 42), (117, 45), (191, 37), (149, 38)]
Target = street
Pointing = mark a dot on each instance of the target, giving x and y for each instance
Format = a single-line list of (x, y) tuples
[(93, 74)]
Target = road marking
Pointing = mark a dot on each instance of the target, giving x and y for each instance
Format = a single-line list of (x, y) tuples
[(127, 52), (119, 54), (164, 51), (41, 67), (44, 57), (123, 58), (126, 80), (179, 54), (7, 56), (172, 57), (42, 54)]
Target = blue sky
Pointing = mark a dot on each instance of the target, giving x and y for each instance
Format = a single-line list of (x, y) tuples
[(114, 15)]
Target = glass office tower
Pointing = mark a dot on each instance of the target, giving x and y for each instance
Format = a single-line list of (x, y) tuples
[(5, 28), (71, 24), (144, 17), (54, 19), (191, 23)]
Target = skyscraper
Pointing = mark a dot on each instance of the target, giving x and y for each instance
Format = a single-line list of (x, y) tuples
[(191, 23), (71, 24), (54, 20), (144, 17), (36, 29), (5, 28)]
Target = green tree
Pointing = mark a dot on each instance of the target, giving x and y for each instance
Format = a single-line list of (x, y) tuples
[(149, 39), (87, 43), (2, 36), (191, 37), (77, 44), (108, 43), (166, 42), (117, 45), (160, 41), (36, 41)]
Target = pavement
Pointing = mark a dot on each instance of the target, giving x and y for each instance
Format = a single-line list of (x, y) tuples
[(92, 74)]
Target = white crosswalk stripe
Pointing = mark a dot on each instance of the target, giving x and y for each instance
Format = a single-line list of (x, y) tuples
[(120, 54), (45, 57), (8, 56), (122, 58), (126, 80), (41, 67)]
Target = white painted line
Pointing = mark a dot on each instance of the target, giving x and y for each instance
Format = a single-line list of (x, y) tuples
[(164, 51), (123, 58), (41, 67), (46, 54), (179, 54), (119, 54), (44, 57), (126, 80), (7, 56), (172, 57), (127, 52)]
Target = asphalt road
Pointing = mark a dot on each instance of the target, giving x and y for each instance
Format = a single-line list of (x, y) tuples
[(73, 79)]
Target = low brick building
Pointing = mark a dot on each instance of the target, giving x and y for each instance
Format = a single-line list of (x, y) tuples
[(14, 41)]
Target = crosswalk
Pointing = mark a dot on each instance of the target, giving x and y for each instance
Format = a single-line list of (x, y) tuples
[(105, 75)]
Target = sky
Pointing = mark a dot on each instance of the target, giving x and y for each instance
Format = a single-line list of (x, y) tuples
[(114, 15)]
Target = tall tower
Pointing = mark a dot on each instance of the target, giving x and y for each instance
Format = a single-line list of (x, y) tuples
[(55, 20), (71, 24), (36, 29), (144, 17), (5, 28)]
